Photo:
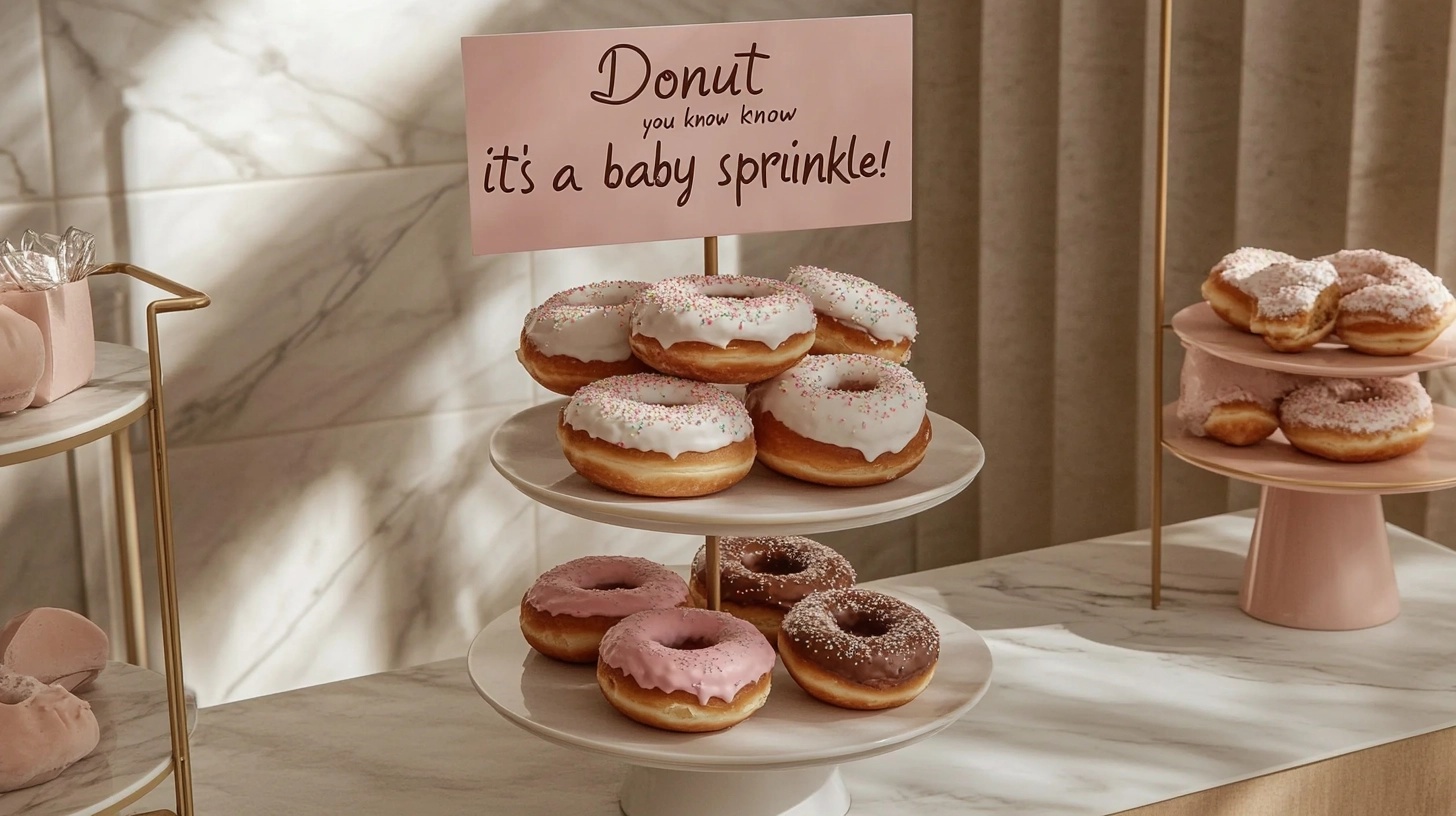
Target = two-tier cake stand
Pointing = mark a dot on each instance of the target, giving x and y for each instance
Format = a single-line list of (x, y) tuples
[(1320, 558), (785, 758)]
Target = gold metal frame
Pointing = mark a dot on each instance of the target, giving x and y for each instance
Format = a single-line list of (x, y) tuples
[(1160, 259)]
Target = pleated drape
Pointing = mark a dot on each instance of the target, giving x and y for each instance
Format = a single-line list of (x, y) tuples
[(1304, 125)]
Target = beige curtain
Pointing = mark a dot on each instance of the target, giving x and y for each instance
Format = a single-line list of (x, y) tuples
[(1306, 125)]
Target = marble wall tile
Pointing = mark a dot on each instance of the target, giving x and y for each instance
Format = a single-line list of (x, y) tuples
[(25, 151), (308, 557), (40, 556), (335, 300)]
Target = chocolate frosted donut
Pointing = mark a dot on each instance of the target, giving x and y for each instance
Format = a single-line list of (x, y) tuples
[(856, 648), (762, 578)]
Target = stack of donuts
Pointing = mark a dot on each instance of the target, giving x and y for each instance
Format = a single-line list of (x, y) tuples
[(663, 660), (827, 399)]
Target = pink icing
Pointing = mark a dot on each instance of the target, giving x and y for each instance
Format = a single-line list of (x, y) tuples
[(1358, 406), (1208, 382), (569, 589), (1385, 284), (642, 647)]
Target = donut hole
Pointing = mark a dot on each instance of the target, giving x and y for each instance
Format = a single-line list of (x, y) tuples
[(855, 386), (861, 625), (666, 402), (692, 644), (773, 564), (607, 586)]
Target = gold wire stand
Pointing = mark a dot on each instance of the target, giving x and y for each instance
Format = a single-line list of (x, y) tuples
[(183, 299), (1160, 259), (715, 587)]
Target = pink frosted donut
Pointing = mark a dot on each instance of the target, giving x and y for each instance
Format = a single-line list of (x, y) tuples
[(579, 336), (570, 607), (685, 669), (1358, 420), (1235, 404), (856, 316)]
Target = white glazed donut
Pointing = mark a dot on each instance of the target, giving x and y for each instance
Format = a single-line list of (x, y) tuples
[(841, 419), (856, 316), (651, 435), (1290, 303), (1390, 305), (1358, 420), (722, 329), (580, 336)]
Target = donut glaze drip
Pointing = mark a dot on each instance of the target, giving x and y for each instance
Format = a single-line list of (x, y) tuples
[(856, 302), (776, 572), (1358, 406), (610, 585), (1207, 382), (588, 323), (726, 653), (814, 400), (718, 310), (1385, 284), (863, 636), (652, 412)]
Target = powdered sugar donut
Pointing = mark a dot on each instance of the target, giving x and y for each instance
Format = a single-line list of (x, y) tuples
[(841, 419), (685, 669), (580, 336), (722, 329), (571, 606), (1235, 404), (1358, 420), (1290, 303), (1389, 305), (651, 435), (856, 316)]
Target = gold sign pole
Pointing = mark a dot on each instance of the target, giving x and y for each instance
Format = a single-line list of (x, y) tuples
[(1160, 257), (710, 267)]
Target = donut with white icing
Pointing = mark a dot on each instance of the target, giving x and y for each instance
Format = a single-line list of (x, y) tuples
[(762, 578), (856, 316), (653, 435), (689, 670), (1291, 303), (1234, 404), (841, 419), (1389, 305), (571, 606), (579, 336), (722, 329), (1358, 420)]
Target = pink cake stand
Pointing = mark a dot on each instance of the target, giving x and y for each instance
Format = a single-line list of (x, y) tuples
[(1319, 558)]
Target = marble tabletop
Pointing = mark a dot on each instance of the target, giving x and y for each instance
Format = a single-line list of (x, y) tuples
[(1098, 703), (121, 384)]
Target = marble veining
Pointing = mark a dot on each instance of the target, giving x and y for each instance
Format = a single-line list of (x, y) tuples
[(121, 384), (1098, 704)]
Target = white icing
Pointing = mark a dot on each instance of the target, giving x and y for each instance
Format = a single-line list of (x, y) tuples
[(1207, 382), (653, 412), (856, 302), (708, 310), (806, 399), (588, 323), (1288, 288), (1378, 282)]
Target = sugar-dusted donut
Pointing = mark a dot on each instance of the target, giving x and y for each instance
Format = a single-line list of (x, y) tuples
[(1389, 306), (722, 329), (856, 648), (856, 316), (651, 435), (685, 669), (762, 578), (1291, 303), (1235, 404), (1358, 420), (43, 730), (580, 336), (841, 419), (571, 606)]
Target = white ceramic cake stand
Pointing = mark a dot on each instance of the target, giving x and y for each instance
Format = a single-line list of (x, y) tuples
[(784, 760)]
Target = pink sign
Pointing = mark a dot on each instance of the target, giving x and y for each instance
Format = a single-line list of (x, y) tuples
[(579, 138)]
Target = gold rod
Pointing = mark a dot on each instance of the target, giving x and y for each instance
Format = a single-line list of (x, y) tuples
[(715, 585), (710, 255), (134, 615), (1160, 258)]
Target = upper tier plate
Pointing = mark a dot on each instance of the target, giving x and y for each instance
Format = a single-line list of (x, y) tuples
[(562, 703), (1275, 463), (117, 396), (524, 449), (1198, 326)]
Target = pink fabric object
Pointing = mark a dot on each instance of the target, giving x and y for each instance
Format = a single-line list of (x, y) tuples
[(64, 317), (55, 646), (22, 360), (43, 731)]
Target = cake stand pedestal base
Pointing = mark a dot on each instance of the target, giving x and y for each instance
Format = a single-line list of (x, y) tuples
[(1320, 561), (814, 791)]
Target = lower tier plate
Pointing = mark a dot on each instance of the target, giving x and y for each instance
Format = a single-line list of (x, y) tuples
[(134, 755), (525, 450), (561, 703)]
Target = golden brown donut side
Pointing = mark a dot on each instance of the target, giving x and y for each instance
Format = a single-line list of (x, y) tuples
[(810, 460), (742, 362), (836, 690), (564, 637), (1349, 446), (679, 710), (564, 375), (651, 473), (833, 336), (1379, 335)]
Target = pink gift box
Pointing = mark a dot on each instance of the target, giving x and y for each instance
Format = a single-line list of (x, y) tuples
[(64, 317)]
